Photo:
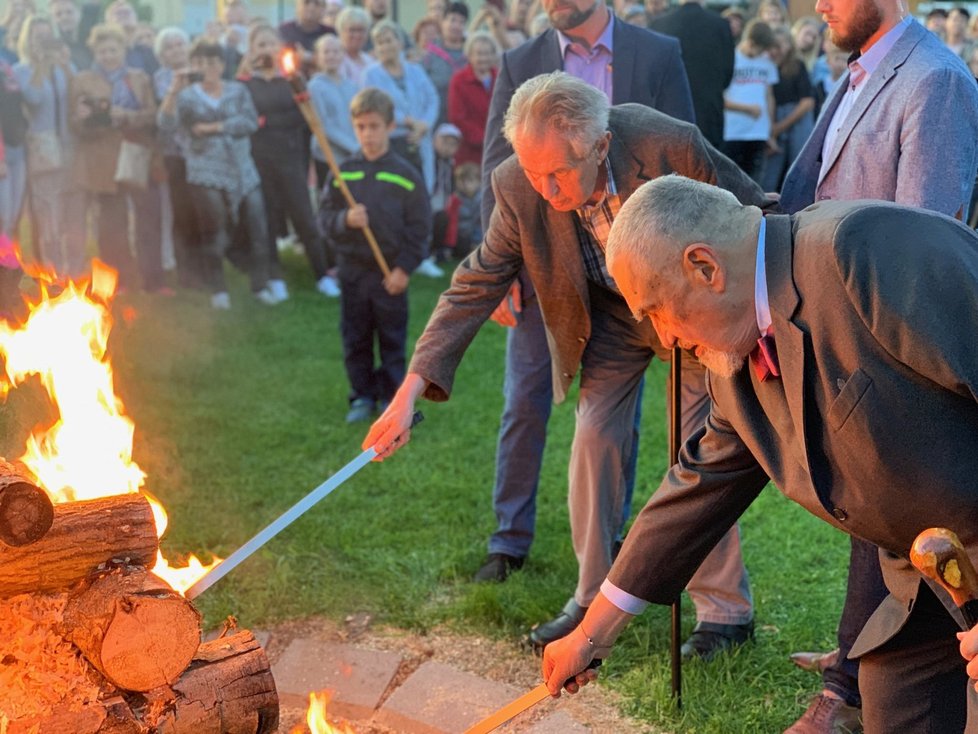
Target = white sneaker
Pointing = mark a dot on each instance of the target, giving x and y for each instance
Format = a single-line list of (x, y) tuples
[(328, 286), (221, 301), (266, 296), (278, 289), (428, 267)]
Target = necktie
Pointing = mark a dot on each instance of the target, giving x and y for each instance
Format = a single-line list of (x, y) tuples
[(764, 358)]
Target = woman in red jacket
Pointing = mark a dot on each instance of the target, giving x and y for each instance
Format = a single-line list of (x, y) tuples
[(469, 92)]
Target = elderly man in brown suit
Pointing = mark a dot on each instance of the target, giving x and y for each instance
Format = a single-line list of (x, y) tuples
[(825, 335), (575, 161)]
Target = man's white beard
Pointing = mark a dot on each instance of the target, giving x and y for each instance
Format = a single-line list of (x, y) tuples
[(721, 364)]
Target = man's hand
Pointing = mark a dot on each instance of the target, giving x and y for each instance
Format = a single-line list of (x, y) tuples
[(397, 282), (393, 429), (508, 311), (969, 651), (356, 217), (565, 663), (202, 129)]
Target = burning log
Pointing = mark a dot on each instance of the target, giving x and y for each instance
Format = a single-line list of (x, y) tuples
[(135, 630), (83, 536), (26, 512)]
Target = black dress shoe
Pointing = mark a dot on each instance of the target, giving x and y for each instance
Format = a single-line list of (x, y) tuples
[(709, 639), (497, 567), (560, 626)]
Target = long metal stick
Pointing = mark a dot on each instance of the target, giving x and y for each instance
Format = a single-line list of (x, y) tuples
[(675, 441), (287, 518)]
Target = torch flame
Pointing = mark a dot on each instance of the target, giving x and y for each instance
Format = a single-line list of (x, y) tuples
[(316, 716), (288, 62), (87, 452)]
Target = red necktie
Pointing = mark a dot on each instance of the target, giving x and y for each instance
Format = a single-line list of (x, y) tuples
[(765, 358)]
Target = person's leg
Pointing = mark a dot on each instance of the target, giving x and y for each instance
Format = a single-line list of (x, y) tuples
[(298, 207), (252, 215), (148, 227), (186, 240), (528, 394), (213, 222), (390, 317), (273, 197), (74, 226), (357, 329), (113, 236), (45, 190)]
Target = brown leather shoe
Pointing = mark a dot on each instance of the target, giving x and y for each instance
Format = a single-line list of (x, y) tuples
[(816, 662), (827, 715)]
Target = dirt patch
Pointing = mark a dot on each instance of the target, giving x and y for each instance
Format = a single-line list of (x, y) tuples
[(596, 707)]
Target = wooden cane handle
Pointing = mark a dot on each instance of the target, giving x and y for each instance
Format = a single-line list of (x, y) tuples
[(939, 555)]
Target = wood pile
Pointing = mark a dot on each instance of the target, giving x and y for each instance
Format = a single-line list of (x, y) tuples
[(91, 642)]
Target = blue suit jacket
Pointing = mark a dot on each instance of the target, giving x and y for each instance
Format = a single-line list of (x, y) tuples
[(911, 137), (647, 69)]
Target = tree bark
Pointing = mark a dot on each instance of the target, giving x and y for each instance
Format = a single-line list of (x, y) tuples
[(137, 631), (83, 536), (26, 512)]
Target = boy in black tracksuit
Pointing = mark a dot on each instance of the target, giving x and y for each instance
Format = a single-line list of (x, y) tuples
[(393, 202)]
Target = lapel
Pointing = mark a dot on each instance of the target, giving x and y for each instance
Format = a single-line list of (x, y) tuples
[(629, 171), (622, 65), (874, 85), (790, 340), (565, 248), (549, 57)]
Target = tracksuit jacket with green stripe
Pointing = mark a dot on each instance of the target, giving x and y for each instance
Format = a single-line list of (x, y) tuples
[(397, 205)]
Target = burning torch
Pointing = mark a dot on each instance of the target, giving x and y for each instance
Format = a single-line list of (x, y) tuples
[(301, 95)]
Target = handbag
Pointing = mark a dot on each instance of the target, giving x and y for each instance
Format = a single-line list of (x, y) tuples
[(132, 167), (44, 153)]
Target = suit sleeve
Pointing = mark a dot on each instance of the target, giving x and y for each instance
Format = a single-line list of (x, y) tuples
[(944, 100), (707, 164), (675, 97), (699, 500), (495, 147), (478, 285)]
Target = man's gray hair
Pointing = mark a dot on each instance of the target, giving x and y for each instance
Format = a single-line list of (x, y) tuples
[(668, 213), (352, 16), (560, 103), (165, 35)]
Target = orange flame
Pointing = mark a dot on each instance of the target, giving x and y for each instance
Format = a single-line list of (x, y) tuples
[(288, 62), (316, 717), (87, 453)]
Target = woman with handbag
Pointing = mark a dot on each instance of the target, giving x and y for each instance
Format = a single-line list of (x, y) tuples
[(58, 206), (112, 110)]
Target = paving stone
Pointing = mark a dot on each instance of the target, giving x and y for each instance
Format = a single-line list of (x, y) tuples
[(357, 676), (557, 723), (441, 699)]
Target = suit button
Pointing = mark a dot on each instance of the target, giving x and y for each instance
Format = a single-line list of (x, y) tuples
[(568, 375), (840, 514), (582, 339)]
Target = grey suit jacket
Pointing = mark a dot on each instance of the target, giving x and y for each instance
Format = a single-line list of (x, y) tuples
[(524, 229), (872, 305), (911, 137)]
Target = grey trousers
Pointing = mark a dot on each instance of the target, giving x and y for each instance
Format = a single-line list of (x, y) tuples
[(616, 356), (59, 209)]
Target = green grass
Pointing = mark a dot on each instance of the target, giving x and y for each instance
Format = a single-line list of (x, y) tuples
[(240, 414)]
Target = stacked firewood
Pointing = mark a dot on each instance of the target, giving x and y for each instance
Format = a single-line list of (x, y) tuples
[(91, 642)]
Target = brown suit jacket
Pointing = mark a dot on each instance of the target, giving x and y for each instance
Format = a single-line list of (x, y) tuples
[(524, 229), (871, 427), (97, 152)]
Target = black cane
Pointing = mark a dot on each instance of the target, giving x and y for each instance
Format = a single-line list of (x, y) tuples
[(675, 441)]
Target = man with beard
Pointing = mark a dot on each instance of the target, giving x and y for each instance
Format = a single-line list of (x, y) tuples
[(883, 134), (826, 334)]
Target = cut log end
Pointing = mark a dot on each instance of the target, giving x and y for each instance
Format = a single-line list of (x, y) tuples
[(26, 513)]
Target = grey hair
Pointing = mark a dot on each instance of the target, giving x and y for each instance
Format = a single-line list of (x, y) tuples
[(666, 214), (479, 37), (165, 35), (352, 16), (560, 103), (386, 26)]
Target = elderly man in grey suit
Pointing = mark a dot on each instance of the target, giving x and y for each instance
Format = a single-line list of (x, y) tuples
[(825, 334), (902, 126), (575, 161)]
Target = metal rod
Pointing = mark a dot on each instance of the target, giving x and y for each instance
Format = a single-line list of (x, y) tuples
[(675, 441)]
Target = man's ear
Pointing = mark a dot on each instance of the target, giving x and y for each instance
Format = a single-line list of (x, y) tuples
[(702, 268)]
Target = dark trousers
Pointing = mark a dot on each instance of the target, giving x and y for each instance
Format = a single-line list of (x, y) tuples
[(366, 310), (748, 154), (865, 591), (286, 192), (217, 216), (186, 233), (113, 235), (916, 682)]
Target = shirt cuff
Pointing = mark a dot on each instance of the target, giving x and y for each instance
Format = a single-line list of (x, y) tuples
[(622, 599)]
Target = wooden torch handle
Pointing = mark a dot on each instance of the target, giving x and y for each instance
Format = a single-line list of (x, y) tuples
[(312, 119), (939, 555)]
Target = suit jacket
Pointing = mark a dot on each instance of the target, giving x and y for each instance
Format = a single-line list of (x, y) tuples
[(524, 229), (869, 302), (708, 55), (647, 69), (911, 137)]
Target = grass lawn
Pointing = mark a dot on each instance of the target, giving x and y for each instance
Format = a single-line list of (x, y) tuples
[(239, 414)]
